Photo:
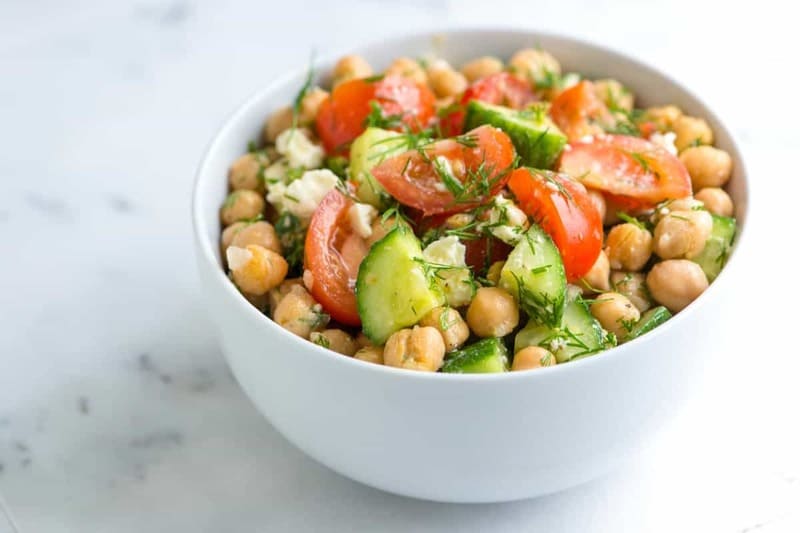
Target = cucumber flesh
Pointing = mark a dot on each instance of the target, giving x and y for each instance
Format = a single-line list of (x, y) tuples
[(368, 150), (393, 291), (718, 246), (578, 335), (649, 321), (484, 357), (534, 274), (537, 139)]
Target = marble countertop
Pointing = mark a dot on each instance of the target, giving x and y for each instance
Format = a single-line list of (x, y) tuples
[(117, 410)]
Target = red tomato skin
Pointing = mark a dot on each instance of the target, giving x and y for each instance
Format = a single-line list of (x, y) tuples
[(614, 165), (341, 116), (570, 218), (329, 234), (500, 89), (412, 180), (576, 109)]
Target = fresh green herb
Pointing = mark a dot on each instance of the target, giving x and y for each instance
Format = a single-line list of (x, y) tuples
[(442, 168), (641, 160), (338, 164), (294, 173), (444, 323), (631, 220), (695, 142), (231, 199), (292, 235), (252, 147), (627, 324), (320, 340), (376, 118), (375, 78), (317, 318), (540, 269), (298, 99)]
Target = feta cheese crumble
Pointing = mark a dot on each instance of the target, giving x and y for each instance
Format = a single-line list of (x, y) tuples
[(361, 217), (665, 140), (237, 257), (302, 196), (455, 278), (299, 150), (506, 221)]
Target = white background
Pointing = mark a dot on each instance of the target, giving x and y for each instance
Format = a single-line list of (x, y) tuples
[(117, 411)]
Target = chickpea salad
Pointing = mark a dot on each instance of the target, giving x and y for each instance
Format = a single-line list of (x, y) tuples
[(500, 216)]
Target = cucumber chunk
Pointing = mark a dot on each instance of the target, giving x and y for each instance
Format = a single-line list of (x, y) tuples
[(368, 150), (534, 275), (718, 246), (578, 335), (651, 319), (484, 357), (537, 139), (393, 290)]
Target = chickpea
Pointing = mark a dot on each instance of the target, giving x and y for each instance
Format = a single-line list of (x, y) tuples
[(280, 121), (481, 67), (632, 286), (255, 269), (445, 81), (682, 234), (309, 106), (707, 166), (381, 227), (492, 313), (675, 283), (362, 341), (245, 172), (408, 68), (421, 348), (277, 294), (350, 68), (628, 247), (664, 117), (334, 339), (228, 234), (370, 354), (599, 202), (614, 94), (299, 313), (443, 105), (533, 64), (716, 201), (597, 277), (493, 274), (241, 205), (690, 131), (615, 313), (449, 324), (532, 357), (458, 220), (261, 233)]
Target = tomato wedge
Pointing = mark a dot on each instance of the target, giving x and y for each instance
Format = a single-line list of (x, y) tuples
[(500, 89), (578, 112), (637, 173), (450, 175), (333, 253), (563, 208), (341, 117)]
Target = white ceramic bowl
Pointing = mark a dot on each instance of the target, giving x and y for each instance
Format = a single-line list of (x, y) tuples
[(458, 438)]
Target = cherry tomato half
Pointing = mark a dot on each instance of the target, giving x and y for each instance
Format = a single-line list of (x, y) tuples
[(333, 253), (450, 175), (341, 117), (577, 111), (563, 208), (500, 89), (636, 173)]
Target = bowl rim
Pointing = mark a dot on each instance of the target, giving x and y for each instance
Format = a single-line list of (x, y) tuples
[(205, 252)]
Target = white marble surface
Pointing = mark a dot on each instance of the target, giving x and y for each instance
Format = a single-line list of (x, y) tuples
[(117, 410)]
